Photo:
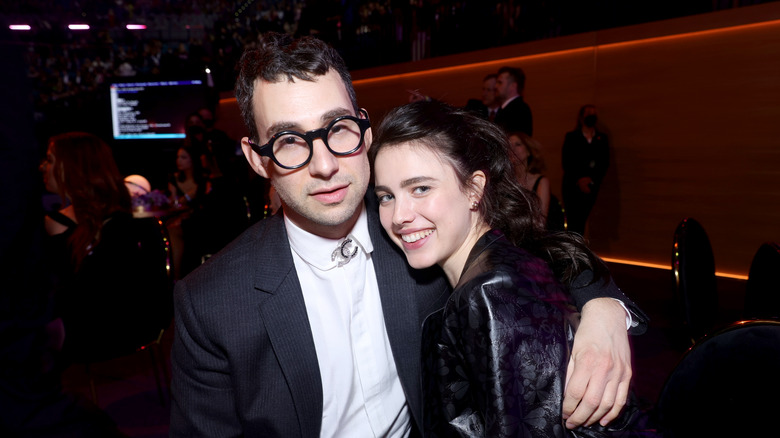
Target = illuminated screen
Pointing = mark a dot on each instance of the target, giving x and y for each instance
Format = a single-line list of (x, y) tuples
[(155, 109)]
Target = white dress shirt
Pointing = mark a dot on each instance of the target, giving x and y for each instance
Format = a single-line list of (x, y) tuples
[(362, 394)]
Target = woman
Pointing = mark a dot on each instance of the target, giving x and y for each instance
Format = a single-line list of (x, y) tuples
[(529, 165), (585, 161), (188, 183), (187, 186), (81, 169), (495, 356), (84, 245)]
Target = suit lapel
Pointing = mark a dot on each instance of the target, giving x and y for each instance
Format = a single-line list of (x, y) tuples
[(397, 292), (285, 319)]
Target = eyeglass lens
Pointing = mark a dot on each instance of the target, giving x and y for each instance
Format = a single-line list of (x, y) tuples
[(292, 149)]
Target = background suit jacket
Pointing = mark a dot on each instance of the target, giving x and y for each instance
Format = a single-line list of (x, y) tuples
[(516, 116), (244, 361)]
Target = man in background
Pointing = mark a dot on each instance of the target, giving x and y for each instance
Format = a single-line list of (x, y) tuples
[(514, 114), (487, 106)]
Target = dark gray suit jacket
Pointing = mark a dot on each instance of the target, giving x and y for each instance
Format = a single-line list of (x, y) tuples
[(244, 362), (516, 117)]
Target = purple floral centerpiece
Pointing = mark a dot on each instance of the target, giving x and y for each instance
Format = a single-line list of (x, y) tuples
[(149, 202)]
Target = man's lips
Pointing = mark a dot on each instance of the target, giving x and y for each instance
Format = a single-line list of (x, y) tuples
[(331, 195)]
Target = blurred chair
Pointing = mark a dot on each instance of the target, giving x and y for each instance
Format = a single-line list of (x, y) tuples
[(762, 293), (726, 385), (693, 267), (134, 307)]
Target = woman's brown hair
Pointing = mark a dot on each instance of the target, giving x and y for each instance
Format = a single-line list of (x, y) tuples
[(89, 178)]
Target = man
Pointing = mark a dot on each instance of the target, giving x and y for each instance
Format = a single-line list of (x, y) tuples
[(308, 324), (514, 115), (487, 106)]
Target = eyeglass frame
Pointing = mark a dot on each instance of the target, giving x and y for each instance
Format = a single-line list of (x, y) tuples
[(267, 149)]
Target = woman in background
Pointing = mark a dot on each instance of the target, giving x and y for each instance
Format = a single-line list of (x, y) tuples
[(81, 169), (83, 239), (529, 165), (526, 156), (188, 187), (189, 183)]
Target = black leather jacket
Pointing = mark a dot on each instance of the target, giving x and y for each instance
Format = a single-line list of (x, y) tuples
[(495, 358)]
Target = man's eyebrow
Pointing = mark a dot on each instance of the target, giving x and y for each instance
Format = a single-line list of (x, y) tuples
[(279, 127), (293, 126), (332, 114)]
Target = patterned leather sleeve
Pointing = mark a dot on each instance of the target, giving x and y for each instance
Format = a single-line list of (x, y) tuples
[(515, 344)]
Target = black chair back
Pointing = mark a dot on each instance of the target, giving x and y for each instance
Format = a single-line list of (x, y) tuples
[(125, 291), (693, 267), (762, 293), (726, 385), (556, 215)]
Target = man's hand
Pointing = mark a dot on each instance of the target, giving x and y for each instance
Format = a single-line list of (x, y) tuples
[(584, 184), (599, 372)]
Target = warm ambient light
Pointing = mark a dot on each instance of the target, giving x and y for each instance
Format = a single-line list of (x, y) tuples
[(20, 27), (78, 26), (505, 61), (136, 26), (667, 267)]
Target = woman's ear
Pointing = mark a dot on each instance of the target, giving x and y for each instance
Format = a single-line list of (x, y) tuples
[(477, 186)]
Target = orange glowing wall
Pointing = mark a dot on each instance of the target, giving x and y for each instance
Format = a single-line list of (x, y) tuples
[(692, 107)]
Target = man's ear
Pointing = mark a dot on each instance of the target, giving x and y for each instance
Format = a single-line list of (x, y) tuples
[(368, 138), (256, 162)]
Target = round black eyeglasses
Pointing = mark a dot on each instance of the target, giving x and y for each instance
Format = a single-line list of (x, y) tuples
[(293, 150)]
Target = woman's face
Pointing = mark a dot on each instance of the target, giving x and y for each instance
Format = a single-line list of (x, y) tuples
[(183, 160), (519, 155), (422, 207), (47, 169)]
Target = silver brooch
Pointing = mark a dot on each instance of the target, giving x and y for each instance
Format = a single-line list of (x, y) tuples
[(344, 252)]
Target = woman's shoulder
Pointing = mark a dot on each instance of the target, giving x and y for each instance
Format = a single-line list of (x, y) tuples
[(535, 179), (58, 222), (502, 264)]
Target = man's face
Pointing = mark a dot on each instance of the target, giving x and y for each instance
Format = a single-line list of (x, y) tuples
[(503, 87), (325, 196), (489, 92)]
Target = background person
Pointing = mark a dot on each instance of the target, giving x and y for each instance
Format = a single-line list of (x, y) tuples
[(526, 157), (585, 159), (487, 106), (514, 114), (87, 246), (187, 189)]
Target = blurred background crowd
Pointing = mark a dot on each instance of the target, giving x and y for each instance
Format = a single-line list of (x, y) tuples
[(70, 69)]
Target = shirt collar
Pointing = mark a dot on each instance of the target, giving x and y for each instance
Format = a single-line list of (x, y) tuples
[(503, 105), (317, 250)]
